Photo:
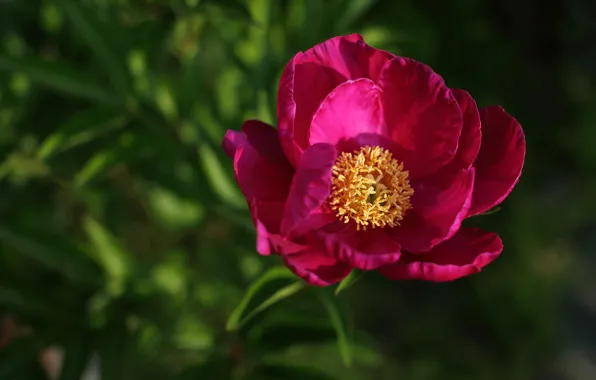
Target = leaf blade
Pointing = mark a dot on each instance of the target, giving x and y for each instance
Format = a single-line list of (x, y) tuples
[(57, 75), (343, 342), (239, 317)]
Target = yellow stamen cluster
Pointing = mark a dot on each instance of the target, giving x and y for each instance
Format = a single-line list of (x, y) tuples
[(370, 188)]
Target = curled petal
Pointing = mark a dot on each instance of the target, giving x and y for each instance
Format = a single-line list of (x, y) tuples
[(421, 115), (439, 205), (261, 169), (500, 160), (467, 252), (310, 189), (349, 56), (365, 249), (232, 141), (310, 76), (470, 138), (316, 268), (264, 176), (353, 108)]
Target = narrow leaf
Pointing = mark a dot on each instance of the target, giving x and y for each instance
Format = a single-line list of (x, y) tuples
[(343, 343), (96, 34), (109, 254), (81, 128), (241, 315), (350, 280), (54, 254), (58, 76), (217, 176)]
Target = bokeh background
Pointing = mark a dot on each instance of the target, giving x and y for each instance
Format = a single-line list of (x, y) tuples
[(125, 244)]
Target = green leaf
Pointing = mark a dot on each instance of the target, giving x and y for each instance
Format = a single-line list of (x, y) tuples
[(98, 36), (340, 325), (18, 356), (232, 9), (52, 253), (274, 277), (96, 165), (81, 128), (220, 181), (350, 280), (109, 253), (286, 372), (58, 76)]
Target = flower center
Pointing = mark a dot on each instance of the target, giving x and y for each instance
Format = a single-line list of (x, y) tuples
[(370, 188)]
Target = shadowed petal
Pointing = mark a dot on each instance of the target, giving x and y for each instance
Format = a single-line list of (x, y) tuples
[(365, 249), (261, 169), (470, 138), (467, 252), (309, 191), (421, 115), (316, 268), (264, 177), (500, 160), (439, 205)]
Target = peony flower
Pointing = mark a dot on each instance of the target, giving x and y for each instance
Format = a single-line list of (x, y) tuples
[(374, 165)]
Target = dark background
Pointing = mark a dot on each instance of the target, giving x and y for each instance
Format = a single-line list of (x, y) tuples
[(125, 243)]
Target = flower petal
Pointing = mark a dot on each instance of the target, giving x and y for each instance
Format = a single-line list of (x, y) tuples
[(470, 138), (439, 205), (349, 56), (261, 169), (310, 188), (316, 268), (365, 249), (467, 252), (310, 76), (267, 219), (421, 115), (500, 160), (353, 108), (264, 176)]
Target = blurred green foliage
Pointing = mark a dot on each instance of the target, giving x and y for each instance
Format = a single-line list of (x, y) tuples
[(125, 242)]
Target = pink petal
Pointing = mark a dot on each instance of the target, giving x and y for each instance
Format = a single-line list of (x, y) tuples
[(470, 138), (365, 249), (354, 107), (310, 76), (232, 141), (439, 205), (421, 115), (261, 169), (310, 189), (466, 253), (264, 176), (349, 56), (267, 219), (316, 268), (500, 160)]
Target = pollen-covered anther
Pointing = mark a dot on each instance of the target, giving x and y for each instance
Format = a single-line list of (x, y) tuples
[(370, 188)]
